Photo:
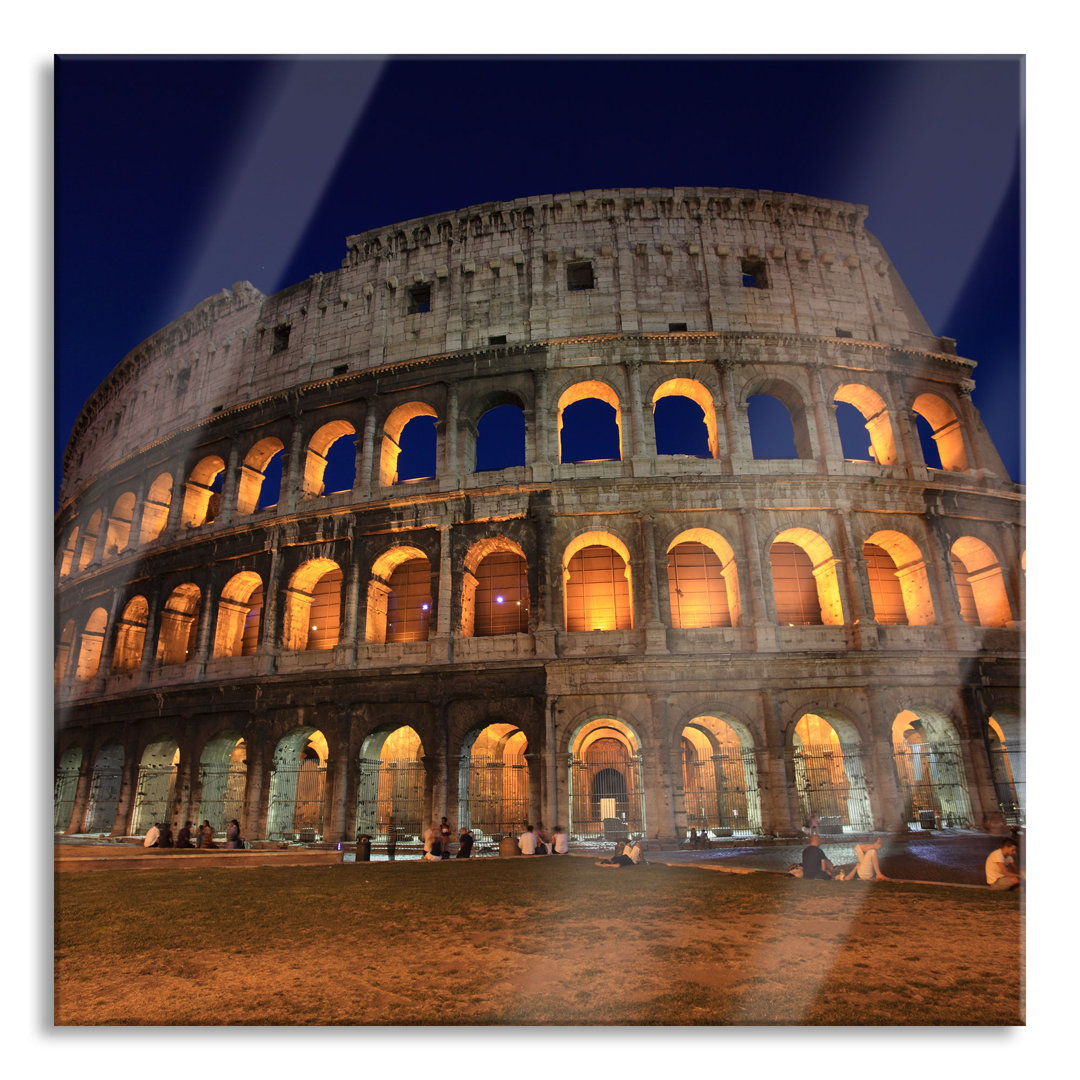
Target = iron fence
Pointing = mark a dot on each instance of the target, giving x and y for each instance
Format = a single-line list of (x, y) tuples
[(296, 801), (831, 783), (222, 789), (67, 783), (103, 800), (390, 789), (722, 791), (607, 796), (932, 784), (494, 795), (153, 797), (1008, 770)]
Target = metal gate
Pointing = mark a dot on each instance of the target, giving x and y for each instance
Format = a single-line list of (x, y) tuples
[(103, 801), (296, 802), (222, 787), (832, 784), (67, 783), (1007, 768), (607, 797), (722, 791), (153, 797), (495, 796), (390, 789), (932, 784)]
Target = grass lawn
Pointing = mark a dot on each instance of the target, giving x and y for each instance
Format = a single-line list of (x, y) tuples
[(512, 941)]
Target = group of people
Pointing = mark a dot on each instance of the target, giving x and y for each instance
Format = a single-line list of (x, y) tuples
[(816, 864), (627, 853), (535, 840), (437, 838), (160, 836)]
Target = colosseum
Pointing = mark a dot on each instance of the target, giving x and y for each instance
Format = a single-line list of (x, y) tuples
[(490, 523)]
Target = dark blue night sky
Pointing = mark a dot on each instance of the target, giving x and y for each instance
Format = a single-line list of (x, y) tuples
[(177, 177)]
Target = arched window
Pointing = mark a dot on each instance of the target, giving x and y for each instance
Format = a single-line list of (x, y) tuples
[(93, 637), (313, 606), (929, 766), (105, 784), (829, 774), (298, 786), (131, 635), (65, 788), (258, 473), (772, 433), (980, 584), (607, 793), (419, 446), (494, 589), (899, 586), (408, 609), (330, 461), (720, 783), (119, 526), (89, 540), (500, 438), (67, 554), (684, 419), (862, 412), (202, 492), (493, 792), (156, 508), (222, 781), (238, 615), (597, 584), (805, 584), (945, 430), (703, 583), (391, 783), (179, 625), (590, 424), (155, 786)]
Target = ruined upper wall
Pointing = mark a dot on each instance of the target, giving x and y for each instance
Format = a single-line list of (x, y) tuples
[(657, 258)]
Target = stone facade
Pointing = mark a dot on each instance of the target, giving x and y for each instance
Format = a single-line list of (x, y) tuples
[(186, 607)]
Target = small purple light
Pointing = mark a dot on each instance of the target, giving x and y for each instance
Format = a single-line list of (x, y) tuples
[(499, 599), (425, 607)]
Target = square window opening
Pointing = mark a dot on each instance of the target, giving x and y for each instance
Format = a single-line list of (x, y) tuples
[(281, 338), (753, 274), (419, 299), (497, 339), (579, 275), (676, 327)]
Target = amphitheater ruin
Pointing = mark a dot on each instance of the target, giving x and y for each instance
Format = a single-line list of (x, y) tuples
[(489, 523)]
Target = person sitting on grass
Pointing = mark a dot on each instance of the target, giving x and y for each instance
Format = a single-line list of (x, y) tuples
[(867, 866), (814, 861), (153, 835), (560, 841), (465, 843), (1001, 871), (527, 841), (626, 854)]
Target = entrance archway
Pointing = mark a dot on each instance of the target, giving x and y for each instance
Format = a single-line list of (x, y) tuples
[(720, 777), (104, 789), (67, 783), (155, 785), (1005, 745), (829, 776), (926, 750), (222, 780), (298, 786), (392, 782), (493, 783), (607, 794)]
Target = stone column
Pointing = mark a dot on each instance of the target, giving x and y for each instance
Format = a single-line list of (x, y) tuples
[(655, 629), (547, 567), (638, 451), (256, 786), (128, 786), (339, 779), (659, 797), (541, 456), (856, 583), (230, 487), (82, 793), (292, 470), (269, 636), (206, 619), (366, 464), (137, 516), (183, 794), (450, 472), (780, 810), (554, 813), (888, 804)]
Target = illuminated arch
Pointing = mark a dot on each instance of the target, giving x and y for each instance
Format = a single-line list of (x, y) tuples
[(313, 606), (67, 553), (238, 614), (926, 751), (764, 417), (980, 584), (222, 780), (606, 785), (699, 394), (322, 443), (179, 625), (1005, 747), (910, 582), (118, 533), (494, 589), (827, 755), (493, 783), (720, 781), (131, 635), (703, 580), (202, 492), (391, 443), (155, 513), (876, 414), (807, 590), (597, 583), (90, 644), (380, 592), (947, 431), (89, 540), (391, 786), (298, 785), (588, 390), (155, 786), (253, 473)]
